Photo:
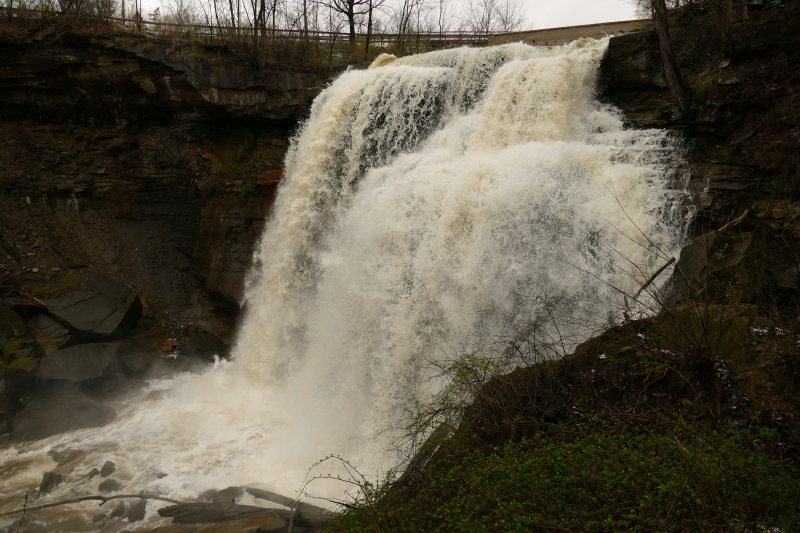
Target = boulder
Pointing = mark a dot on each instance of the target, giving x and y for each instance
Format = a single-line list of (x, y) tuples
[(49, 481), (204, 345), (135, 357), (722, 268), (100, 308), (136, 511), (47, 324), (79, 363), (210, 513), (108, 468), (785, 276), (11, 326), (229, 495), (119, 510), (50, 334), (110, 485)]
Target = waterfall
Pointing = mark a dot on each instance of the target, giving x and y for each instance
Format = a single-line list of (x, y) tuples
[(432, 206), (435, 201)]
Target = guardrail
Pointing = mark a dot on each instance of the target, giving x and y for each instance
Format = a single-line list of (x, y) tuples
[(213, 32)]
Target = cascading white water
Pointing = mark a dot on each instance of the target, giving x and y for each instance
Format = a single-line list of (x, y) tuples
[(429, 203)]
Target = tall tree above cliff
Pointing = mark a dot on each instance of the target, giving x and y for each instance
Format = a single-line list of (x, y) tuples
[(350, 9), (680, 93)]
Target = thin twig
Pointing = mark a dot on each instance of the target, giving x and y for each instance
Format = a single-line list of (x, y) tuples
[(24, 510)]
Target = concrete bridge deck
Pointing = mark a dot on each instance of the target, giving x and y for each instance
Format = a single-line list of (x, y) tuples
[(555, 36)]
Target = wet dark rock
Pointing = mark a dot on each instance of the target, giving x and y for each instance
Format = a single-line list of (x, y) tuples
[(725, 267), (50, 334), (108, 469), (78, 363), (49, 482), (49, 325), (55, 414), (785, 276), (93, 473), (231, 494), (10, 405), (11, 325), (118, 511), (204, 345), (209, 513), (136, 511), (64, 456), (135, 358), (110, 485), (101, 308), (633, 62)]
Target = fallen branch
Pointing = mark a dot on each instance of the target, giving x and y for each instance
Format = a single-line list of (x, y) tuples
[(31, 298), (733, 223), (653, 277), (643, 287), (102, 499)]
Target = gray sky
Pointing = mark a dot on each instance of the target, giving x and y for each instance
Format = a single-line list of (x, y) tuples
[(553, 14), (545, 13)]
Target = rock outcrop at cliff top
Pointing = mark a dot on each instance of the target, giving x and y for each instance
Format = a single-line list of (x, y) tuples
[(129, 77)]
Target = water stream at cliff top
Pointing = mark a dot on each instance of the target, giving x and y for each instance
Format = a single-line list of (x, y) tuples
[(432, 206)]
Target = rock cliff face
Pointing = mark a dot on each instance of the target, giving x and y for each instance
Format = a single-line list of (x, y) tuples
[(127, 78), (742, 144), (152, 162)]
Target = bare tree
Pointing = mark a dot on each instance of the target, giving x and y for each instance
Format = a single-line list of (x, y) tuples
[(487, 16), (510, 16), (404, 18), (350, 9), (445, 15), (180, 11)]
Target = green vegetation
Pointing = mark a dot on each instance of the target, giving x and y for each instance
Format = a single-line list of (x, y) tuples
[(702, 84), (681, 480), (58, 286), (644, 428)]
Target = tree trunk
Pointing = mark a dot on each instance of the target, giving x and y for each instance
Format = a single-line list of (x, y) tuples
[(680, 93), (369, 32), (351, 19), (305, 19)]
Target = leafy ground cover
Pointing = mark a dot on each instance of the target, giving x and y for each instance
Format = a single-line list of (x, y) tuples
[(652, 426)]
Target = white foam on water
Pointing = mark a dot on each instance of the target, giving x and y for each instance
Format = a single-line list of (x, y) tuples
[(429, 203)]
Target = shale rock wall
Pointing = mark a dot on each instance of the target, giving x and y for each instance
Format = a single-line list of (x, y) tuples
[(152, 162), (742, 144)]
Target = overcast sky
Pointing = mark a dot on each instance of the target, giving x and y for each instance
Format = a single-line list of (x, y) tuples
[(545, 13), (553, 14)]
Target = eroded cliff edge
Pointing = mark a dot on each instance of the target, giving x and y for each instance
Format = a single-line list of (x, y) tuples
[(152, 162)]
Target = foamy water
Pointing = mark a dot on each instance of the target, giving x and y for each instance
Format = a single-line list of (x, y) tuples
[(429, 203)]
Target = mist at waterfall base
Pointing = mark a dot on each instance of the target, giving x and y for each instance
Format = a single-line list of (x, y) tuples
[(432, 206)]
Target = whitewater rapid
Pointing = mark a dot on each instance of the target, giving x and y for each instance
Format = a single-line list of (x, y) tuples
[(432, 206)]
